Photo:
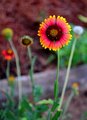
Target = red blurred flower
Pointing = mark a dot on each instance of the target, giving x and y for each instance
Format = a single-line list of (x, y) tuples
[(54, 33), (8, 54)]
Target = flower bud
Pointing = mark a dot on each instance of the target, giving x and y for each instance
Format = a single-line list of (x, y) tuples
[(78, 30), (7, 33), (75, 87), (11, 80), (26, 40)]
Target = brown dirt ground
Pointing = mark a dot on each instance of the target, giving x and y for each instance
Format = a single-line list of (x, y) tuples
[(78, 106)]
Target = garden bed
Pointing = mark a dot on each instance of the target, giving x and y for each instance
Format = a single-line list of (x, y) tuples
[(46, 79)]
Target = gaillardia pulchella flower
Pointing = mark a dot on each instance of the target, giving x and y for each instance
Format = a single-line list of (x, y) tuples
[(8, 54), (54, 33), (26, 40)]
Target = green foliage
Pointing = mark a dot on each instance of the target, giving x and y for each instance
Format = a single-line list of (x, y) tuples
[(84, 116), (55, 106), (56, 115), (24, 111), (37, 92)]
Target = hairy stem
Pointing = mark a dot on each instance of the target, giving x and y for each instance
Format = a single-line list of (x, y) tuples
[(67, 74), (18, 69)]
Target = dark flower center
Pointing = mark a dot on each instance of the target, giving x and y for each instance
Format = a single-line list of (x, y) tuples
[(54, 33), (26, 42), (9, 52)]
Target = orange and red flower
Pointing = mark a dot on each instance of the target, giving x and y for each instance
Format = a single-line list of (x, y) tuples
[(8, 54), (54, 33)]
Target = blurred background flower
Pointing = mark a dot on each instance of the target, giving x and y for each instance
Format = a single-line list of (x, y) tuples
[(11, 80), (8, 54), (76, 87)]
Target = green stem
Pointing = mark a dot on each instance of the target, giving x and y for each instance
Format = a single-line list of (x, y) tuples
[(18, 69), (67, 105), (49, 115), (8, 69), (56, 86), (67, 74), (12, 91), (57, 77), (29, 54), (31, 70)]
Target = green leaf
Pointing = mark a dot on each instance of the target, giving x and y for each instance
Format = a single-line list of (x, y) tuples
[(25, 106), (55, 106), (9, 115), (57, 115), (83, 18), (37, 92), (24, 118), (49, 101), (41, 108)]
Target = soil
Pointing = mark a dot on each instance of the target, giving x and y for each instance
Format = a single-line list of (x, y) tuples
[(77, 109), (78, 106)]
